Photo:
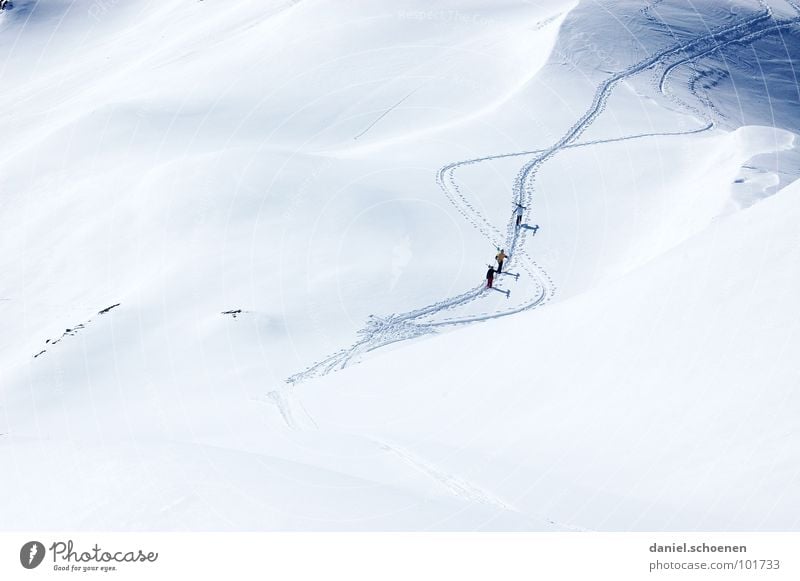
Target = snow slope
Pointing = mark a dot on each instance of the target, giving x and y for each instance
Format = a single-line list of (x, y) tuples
[(201, 200), (665, 400)]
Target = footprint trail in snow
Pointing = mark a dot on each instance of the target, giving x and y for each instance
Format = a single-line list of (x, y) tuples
[(381, 331)]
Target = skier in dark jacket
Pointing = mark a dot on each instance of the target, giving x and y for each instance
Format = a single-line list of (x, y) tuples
[(490, 276)]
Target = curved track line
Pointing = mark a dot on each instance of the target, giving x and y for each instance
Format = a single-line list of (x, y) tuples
[(382, 331)]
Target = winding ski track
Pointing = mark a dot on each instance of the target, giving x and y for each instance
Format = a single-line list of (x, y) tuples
[(382, 331)]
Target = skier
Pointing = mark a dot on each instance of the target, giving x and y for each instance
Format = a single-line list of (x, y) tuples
[(490, 277), (520, 210), (500, 258)]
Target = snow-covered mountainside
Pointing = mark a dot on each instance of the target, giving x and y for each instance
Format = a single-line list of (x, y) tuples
[(243, 248)]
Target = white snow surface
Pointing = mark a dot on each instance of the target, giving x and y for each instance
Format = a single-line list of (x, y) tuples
[(291, 206)]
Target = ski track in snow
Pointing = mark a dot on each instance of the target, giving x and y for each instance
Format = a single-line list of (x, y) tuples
[(288, 404), (385, 113), (455, 485), (463, 488), (382, 331)]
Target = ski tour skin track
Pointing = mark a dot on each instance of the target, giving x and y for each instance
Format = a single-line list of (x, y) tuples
[(381, 331)]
